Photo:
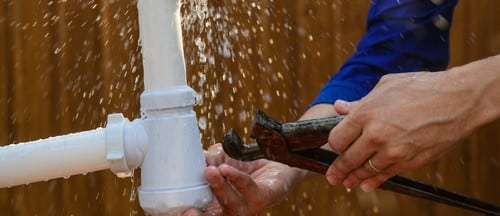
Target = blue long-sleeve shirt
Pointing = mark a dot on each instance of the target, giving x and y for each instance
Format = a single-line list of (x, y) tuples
[(402, 36)]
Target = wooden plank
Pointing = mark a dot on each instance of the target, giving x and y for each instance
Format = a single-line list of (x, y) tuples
[(5, 206), (75, 37), (86, 69), (315, 27), (304, 20), (277, 81), (320, 28), (460, 34), (229, 69), (206, 70), (483, 41), (118, 46), (468, 170), (4, 76), (72, 192), (31, 96)]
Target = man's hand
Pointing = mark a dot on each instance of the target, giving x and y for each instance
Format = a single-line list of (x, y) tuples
[(407, 121), (245, 188)]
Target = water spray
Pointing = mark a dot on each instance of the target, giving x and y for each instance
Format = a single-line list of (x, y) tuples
[(164, 142)]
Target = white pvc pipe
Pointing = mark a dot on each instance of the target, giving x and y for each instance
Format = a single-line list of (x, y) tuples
[(55, 157), (172, 177), (161, 43)]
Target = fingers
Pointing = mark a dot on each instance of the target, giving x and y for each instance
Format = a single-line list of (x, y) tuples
[(375, 165), (340, 138), (241, 181), (343, 135), (350, 160), (212, 210), (346, 131), (358, 165), (382, 166), (222, 190), (398, 164), (375, 181), (192, 212), (234, 189)]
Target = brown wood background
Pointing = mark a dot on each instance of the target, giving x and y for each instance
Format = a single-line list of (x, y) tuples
[(66, 65)]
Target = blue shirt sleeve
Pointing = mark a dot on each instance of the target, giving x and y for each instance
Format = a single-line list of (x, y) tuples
[(402, 36)]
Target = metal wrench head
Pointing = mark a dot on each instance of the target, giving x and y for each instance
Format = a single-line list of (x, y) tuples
[(234, 147)]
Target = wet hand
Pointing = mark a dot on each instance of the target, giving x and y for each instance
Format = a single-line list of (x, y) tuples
[(407, 121), (244, 188)]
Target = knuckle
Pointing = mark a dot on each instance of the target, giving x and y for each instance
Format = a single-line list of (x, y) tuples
[(363, 116), (377, 139), (343, 165), (332, 141), (385, 78), (395, 154)]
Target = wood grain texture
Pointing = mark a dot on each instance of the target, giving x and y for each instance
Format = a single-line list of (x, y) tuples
[(66, 65)]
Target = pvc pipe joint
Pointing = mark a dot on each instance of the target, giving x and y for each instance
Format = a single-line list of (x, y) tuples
[(172, 171), (126, 144), (115, 149)]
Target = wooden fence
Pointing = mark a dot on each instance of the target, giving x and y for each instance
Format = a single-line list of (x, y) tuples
[(66, 65)]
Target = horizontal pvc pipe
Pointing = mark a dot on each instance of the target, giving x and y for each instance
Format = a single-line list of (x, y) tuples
[(54, 157), (161, 44)]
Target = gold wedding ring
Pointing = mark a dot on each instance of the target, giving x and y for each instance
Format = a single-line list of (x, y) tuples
[(370, 163)]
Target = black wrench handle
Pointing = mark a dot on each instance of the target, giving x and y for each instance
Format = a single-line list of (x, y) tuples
[(411, 187)]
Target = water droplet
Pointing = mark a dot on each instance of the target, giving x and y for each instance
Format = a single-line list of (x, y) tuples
[(202, 123)]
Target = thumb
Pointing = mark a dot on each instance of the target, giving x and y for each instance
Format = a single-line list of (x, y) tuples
[(214, 155), (343, 107)]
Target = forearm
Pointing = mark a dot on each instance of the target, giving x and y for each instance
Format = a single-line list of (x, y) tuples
[(482, 78)]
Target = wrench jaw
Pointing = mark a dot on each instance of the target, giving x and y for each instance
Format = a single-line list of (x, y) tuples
[(236, 149), (263, 128), (271, 144), (264, 121), (274, 147)]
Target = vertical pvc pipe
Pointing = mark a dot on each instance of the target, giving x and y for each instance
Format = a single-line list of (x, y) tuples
[(51, 158), (161, 44), (172, 171)]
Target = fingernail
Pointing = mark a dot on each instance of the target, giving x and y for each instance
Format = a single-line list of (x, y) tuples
[(344, 104), (332, 179), (366, 187)]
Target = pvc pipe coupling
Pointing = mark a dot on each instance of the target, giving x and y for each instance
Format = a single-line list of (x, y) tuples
[(126, 144), (165, 142)]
